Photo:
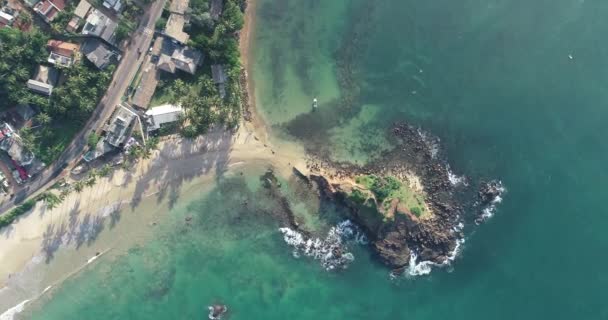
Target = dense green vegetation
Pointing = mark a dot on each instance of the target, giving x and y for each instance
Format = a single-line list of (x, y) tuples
[(387, 188), (10, 216), (416, 211), (21, 54), (358, 196), (71, 103), (381, 187), (198, 94), (127, 20)]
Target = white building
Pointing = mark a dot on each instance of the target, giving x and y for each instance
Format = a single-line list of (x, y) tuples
[(158, 116)]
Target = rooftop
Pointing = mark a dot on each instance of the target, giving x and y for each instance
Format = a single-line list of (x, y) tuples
[(160, 115), (13, 145), (98, 53), (216, 8), (49, 9), (175, 56), (178, 6), (63, 48), (147, 86), (44, 80), (115, 5), (82, 9), (100, 25), (118, 126), (175, 28), (217, 71), (40, 87)]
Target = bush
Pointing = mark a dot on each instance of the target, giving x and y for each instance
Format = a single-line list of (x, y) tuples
[(416, 211), (10, 216), (383, 187), (358, 197), (93, 139)]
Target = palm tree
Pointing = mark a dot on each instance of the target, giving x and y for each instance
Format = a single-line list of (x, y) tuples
[(43, 118), (90, 182), (52, 200), (105, 170), (78, 186)]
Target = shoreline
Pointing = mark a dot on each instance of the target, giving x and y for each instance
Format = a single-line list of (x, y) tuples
[(43, 246), (246, 44)]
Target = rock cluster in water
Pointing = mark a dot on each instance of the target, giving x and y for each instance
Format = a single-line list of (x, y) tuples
[(405, 239)]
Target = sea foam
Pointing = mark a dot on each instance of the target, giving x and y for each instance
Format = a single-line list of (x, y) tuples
[(416, 268), (331, 251), (490, 209), (10, 313), (456, 180)]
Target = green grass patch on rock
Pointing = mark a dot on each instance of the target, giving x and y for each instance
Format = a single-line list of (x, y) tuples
[(387, 188)]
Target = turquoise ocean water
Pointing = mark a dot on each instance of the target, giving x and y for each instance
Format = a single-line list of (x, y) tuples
[(515, 90)]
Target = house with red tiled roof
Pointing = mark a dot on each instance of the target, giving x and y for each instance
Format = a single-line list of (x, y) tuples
[(62, 53), (49, 9)]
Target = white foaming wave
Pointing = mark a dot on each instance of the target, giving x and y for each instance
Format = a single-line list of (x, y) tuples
[(425, 267), (325, 250), (431, 143), (12, 312), (455, 179), (488, 212)]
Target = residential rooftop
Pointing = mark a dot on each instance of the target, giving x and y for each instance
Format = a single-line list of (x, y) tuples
[(158, 116), (100, 25), (82, 9), (49, 9), (62, 53), (98, 53), (44, 80), (178, 6), (175, 28), (118, 127)]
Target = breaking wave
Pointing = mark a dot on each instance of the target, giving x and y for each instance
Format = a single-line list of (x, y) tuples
[(431, 142), (490, 209), (416, 268), (456, 180), (12, 312), (332, 252)]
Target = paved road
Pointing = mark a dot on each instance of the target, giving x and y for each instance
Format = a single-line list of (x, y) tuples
[(126, 70)]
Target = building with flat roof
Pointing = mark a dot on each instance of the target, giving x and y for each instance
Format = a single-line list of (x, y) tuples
[(62, 53), (118, 127), (175, 28), (158, 116), (44, 80), (178, 6)]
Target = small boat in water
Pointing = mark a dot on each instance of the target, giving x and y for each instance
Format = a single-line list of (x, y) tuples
[(314, 104)]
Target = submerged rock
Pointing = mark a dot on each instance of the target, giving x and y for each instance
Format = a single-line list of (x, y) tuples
[(216, 311)]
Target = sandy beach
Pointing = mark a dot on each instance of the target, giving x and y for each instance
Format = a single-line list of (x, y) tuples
[(126, 204)]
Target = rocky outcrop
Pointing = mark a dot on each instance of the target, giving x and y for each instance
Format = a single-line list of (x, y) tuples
[(396, 234)]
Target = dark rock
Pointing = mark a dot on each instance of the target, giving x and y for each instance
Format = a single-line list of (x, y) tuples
[(393, 251)]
